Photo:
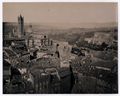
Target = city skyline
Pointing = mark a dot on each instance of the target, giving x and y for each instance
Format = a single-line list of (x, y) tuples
[(40, 56)]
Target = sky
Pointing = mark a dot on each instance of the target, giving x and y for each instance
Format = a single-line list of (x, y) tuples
[(61, 12)]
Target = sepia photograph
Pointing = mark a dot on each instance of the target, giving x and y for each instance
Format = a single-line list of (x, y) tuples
[(60, 48)]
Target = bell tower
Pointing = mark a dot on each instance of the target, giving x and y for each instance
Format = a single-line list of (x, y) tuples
[(20, 26)]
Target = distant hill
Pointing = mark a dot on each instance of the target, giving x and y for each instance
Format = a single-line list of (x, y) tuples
[(51, 28)]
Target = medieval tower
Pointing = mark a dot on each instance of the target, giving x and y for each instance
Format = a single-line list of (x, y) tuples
[(20, 26)]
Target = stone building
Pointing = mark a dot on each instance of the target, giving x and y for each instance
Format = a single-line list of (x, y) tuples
[(21, 26)]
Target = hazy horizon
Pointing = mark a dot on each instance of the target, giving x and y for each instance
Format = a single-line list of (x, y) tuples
[(72, 25)]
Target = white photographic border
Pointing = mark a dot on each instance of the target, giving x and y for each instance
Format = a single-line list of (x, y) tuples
[(1, 45)]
